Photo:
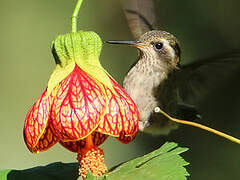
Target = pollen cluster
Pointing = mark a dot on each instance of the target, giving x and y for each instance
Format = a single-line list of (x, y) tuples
[(92, 161)]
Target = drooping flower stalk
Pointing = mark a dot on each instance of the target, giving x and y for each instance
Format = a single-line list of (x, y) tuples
[(82, 104)]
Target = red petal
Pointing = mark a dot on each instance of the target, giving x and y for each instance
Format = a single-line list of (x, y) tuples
[(77, 146), (121, 118), (78, 106), (37, 134), (124, 138), (47, 140)]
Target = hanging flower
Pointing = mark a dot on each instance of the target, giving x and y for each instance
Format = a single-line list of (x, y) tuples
[(81, 106)]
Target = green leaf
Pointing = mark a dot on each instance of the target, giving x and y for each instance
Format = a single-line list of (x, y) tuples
[(57, 170), (91, 177), (3, 174), (164, 163)]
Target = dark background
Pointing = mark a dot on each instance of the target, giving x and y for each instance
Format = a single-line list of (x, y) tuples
[(204, 28)]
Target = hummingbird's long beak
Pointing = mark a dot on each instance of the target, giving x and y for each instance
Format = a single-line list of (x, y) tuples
[(130, 43)]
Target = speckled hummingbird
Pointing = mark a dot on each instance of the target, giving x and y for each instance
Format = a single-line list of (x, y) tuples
[(157, 80)]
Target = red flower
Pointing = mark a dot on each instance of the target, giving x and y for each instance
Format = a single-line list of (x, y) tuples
[(80, 112)]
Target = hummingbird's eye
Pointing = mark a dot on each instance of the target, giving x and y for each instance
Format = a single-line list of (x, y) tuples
[(158, 46)]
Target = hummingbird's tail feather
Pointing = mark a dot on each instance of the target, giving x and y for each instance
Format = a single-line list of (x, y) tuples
[(231, 138)]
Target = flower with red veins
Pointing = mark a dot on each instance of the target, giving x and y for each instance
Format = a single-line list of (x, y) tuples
[(82, 105)]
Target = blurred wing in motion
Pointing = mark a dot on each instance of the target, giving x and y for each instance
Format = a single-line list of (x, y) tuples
[(197, 79), (140, 16)]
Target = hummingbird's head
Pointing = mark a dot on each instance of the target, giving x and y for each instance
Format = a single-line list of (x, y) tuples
[(158, 47)]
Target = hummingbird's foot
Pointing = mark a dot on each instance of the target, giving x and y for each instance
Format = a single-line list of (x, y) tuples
[(142, 125)]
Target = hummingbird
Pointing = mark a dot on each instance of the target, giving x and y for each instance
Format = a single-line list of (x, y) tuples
[(152, 80), (157, 80)]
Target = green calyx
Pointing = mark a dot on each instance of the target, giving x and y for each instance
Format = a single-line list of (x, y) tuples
[(81, 48)]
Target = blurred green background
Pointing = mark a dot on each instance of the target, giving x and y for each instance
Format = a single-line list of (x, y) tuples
[(203, 28)]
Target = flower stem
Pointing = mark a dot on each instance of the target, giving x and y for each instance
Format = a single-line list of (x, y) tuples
[(75, 14), (231, 138)]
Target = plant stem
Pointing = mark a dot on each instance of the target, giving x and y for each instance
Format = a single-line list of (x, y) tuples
[(231, 138), (75, 15)]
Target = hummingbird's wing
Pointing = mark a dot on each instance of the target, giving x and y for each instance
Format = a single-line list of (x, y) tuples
[(140, 16), (201, 77), (193, 80)]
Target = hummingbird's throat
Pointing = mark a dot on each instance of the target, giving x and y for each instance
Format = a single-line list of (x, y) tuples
[(231, 138)]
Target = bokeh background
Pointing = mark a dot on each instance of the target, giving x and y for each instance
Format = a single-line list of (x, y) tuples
[(203, 27)]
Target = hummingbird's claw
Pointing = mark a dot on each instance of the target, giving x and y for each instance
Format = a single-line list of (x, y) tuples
[(143, 125)]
